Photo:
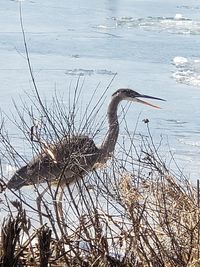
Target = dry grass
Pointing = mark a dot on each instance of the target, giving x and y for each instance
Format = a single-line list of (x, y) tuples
[(130, 212)]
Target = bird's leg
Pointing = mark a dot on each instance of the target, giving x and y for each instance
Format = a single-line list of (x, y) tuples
[(59, 207), (38, 201), (59, 203)]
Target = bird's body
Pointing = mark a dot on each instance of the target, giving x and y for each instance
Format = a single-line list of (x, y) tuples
[(69, 157), (73, 157)]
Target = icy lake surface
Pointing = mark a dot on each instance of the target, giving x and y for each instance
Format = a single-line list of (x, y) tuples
[(153, 46)]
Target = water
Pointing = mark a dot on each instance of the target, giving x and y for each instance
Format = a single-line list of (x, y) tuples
[(153, 46)]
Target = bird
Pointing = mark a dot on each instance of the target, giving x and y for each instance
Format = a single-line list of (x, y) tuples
[(72, 157)]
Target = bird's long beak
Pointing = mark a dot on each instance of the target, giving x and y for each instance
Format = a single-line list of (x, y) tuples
[(150, 97)]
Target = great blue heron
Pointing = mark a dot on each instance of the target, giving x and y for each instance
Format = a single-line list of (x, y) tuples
[(72, 157)]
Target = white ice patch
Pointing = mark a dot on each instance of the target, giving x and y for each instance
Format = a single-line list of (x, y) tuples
[(180, 60), (178, 16), (189, 142), (175, 24), (105, 27), (88, 72), (187, 71)]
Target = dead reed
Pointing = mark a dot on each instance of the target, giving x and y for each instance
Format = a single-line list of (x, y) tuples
[(133, 211)]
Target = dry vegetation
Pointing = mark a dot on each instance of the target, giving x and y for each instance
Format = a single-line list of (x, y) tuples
[(133, 211)]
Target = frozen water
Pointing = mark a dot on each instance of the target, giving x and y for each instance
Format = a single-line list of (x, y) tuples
[(153, 50)]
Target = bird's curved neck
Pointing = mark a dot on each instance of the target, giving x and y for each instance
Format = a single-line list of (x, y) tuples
[(110, 140)]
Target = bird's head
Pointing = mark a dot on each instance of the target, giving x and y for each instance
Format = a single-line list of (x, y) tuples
[(131, 95)]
